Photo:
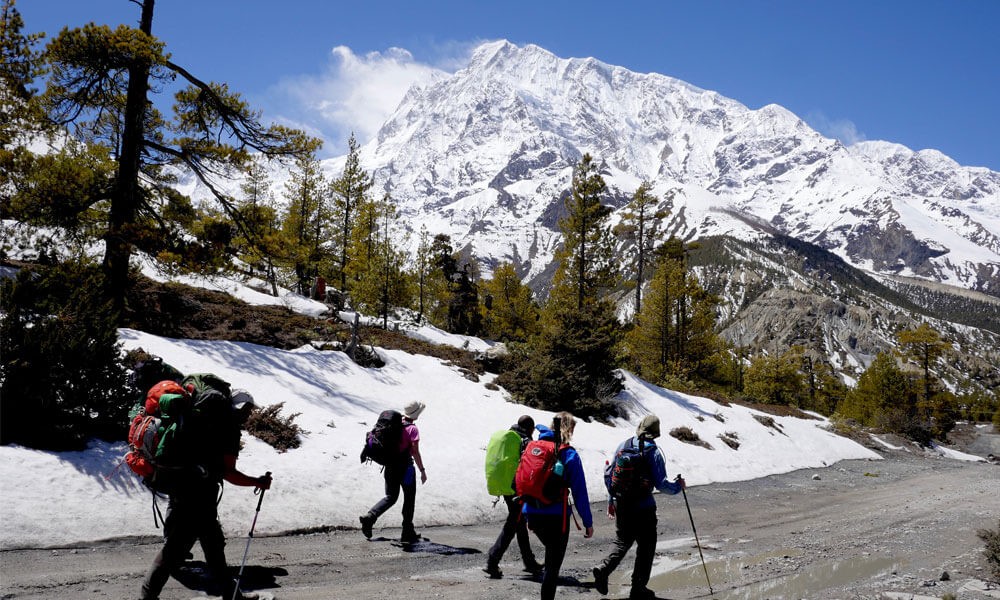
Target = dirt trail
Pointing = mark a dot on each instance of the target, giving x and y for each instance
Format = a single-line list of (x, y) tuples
[(858, 529)]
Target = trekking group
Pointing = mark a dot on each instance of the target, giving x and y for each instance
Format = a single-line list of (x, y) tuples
[(185, 438)]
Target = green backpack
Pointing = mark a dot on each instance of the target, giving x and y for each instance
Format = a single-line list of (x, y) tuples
[(503, 453)]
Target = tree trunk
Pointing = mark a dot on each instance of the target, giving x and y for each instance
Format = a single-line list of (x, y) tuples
[(126, 197)]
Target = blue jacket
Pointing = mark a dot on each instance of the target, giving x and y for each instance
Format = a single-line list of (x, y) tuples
[(658, 469), (573, 473)]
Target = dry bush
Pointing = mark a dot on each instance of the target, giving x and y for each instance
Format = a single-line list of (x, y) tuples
[(687, 436), (281, 433), (730, 439)]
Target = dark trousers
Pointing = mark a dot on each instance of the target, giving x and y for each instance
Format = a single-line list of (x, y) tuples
[(514, 526), (636, 526), (190, 517), (398, 477), (553, 532)]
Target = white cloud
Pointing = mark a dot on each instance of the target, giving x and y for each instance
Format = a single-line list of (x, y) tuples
[(841, 129), (354, 94)]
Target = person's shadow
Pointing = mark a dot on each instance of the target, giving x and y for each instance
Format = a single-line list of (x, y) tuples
[(195, 575)]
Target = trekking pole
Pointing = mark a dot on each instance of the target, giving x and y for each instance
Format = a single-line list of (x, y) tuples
[(246, 551), (711, 592)]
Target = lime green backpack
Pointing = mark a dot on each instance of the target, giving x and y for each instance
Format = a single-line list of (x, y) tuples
[(503, 452)]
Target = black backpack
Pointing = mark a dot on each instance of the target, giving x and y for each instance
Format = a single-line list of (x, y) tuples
[(630, 476), (383, 441)]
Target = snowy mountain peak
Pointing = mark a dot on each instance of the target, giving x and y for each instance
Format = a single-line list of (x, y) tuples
[(484, 154)]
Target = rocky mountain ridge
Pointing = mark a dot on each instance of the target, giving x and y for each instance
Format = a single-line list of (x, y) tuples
[(486, 155)]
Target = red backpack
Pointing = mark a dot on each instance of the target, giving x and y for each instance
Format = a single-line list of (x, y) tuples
[(168, 386), (539, 478), (148, 425)]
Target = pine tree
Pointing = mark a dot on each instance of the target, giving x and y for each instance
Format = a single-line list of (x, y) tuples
[(638, 227), (303, 221), (260, 243), (63, 375), (510, 312), (885, 397), (379, 279), (100, 82), (776, 379), (571, 364), (674, 338), (422, 271), (349, 192), (587, 266), (924, 346)]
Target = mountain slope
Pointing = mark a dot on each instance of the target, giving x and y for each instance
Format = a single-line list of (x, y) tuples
[(486, 154)]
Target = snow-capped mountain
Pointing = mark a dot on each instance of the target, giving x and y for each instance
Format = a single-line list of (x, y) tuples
[(486, 154)]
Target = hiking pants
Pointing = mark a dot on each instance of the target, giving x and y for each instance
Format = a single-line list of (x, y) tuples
[(515, 525), (190, 517), (553, 532), (398, 477), (634, 525)]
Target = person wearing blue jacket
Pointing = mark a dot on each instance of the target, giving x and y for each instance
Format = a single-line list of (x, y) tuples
[(550, 523), (636, 515)]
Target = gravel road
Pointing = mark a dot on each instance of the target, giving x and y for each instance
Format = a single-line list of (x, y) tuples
[(857, 529)]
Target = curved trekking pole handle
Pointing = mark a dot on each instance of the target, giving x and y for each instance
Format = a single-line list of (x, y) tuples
[(260, 492), (711, 592)]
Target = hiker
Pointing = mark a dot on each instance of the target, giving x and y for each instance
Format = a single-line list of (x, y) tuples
[(400, 473), (514, 525), (192, 511), (550, 522), (632, 505)]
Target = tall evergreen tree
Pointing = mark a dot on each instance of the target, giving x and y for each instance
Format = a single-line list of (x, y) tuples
[(349, 192), (885, 397), (638, 228), (382, 285), (587, 267), (674, 338), (260, 243), (303, 221), (422, 271), (510, 312), (20, 113), (923, 345), (776, 379), (100, 82)]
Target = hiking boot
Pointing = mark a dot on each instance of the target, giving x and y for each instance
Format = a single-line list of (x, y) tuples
[(493, 571), (600, 581), (534, 567), (366, 525), (642, 594), (409, 537)]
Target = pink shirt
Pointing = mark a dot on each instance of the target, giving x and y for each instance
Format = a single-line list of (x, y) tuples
[(410, 436)]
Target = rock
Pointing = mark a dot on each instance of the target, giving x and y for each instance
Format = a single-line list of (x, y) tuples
[(816, 477)]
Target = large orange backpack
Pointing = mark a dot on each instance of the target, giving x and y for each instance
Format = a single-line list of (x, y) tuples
[(149, 423)]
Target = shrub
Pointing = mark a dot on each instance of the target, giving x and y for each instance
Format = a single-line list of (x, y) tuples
[(63, 377), (992, 550), (730, 439), (687, 436), (278, 432)]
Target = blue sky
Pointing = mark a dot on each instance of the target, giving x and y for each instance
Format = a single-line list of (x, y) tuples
[(923, 73)]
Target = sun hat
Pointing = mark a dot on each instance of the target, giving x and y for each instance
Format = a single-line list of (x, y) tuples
[(649, 427), (413, 410)]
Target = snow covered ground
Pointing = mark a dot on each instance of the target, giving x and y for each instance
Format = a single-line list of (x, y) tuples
[(51, 498), (55, 498)]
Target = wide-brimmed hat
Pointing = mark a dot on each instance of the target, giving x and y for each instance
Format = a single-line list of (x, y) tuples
[(649, 427), (413, 410), (241, 398)]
